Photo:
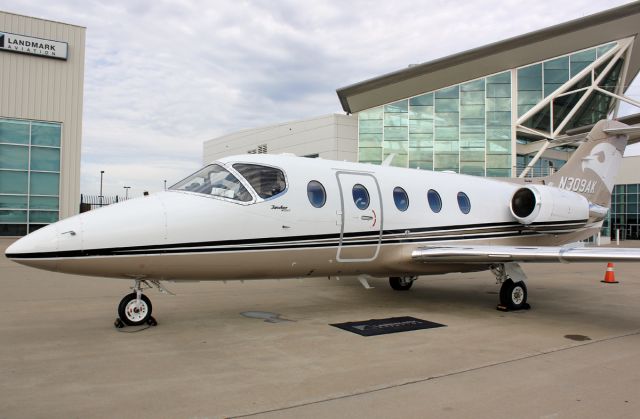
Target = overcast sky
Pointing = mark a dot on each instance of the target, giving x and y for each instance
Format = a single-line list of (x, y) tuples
[(161, 77)]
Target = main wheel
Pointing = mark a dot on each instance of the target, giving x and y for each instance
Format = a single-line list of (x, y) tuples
[(513, 295), (132, 314), (401, 283)]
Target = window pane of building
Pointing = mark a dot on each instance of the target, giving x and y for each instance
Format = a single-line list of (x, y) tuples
[(12, 131), (13, 201), (13, 229), (370, 154), (43, 202), (422, 100), (14, 157), (370, 140), (401, 106), (529, 80), (580, 60), (45, 134), (373, 113), (45, 183), (43, 216), (47, 159), (399, 160), (10, 216), (13, 182)]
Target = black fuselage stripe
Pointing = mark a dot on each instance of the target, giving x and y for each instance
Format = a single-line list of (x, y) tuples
[(276, 244)]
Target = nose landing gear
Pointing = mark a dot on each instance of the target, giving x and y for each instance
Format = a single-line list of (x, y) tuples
[(135, 308)]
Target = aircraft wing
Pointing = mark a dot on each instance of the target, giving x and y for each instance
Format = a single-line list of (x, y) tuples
[(503, 254)]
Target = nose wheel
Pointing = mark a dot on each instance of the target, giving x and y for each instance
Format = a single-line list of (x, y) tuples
[(135, 308), (134, 311)]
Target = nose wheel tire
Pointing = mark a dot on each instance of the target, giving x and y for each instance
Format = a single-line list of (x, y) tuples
[(401, 283), (513, 295), (133, 313)]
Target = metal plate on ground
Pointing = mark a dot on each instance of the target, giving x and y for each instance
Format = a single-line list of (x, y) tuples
[(376, 327)]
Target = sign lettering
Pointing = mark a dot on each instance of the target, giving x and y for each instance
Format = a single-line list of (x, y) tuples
[(33, 46)]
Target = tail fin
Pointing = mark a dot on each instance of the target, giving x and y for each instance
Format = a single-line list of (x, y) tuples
[(591, 171)]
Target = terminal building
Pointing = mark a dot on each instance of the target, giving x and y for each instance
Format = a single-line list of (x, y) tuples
[(502, 110), (41, 85)]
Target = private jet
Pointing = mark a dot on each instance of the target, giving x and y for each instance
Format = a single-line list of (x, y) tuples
[(280, 216)]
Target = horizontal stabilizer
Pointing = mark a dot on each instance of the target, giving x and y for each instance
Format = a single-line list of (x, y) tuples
[(632, 132), (502, 254)]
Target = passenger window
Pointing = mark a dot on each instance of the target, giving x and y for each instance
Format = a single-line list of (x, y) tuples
[(463, 203), (360, 196), (214, 180), (316, 194), (266, 181), (401, 198), (434, 200)]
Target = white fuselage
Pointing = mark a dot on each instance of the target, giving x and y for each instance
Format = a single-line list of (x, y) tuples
[(178, 235)]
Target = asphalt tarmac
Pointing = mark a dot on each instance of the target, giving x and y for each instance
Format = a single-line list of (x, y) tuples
[(61, 357)]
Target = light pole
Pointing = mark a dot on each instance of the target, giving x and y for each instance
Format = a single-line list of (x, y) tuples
[(126, 192), (101, 174)]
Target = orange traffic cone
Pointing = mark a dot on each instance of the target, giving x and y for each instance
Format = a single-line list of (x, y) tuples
[(610, 275)]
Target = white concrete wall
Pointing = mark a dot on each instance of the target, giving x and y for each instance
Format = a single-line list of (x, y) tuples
[(47, 89), (333, 137)]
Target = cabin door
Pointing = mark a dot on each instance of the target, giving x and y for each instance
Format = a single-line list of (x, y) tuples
[(360, 217)]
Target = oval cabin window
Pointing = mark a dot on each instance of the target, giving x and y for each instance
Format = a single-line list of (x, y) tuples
[(464, 203), (434, 200), (316, 194), (360, 196), (401, 198)]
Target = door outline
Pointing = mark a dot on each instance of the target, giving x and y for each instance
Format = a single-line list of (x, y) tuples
[(342, 215)]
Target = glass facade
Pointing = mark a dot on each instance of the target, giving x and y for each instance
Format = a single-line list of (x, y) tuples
[(467, 128), (624, 214), (29, 175), (464, 128), (538, 81)]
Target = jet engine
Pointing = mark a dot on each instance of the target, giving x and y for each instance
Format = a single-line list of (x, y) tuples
[(543, 204)]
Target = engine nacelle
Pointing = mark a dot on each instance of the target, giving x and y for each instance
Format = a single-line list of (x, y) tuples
[(539, 204)]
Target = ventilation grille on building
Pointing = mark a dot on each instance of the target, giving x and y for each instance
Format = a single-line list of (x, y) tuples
[(262, 149)]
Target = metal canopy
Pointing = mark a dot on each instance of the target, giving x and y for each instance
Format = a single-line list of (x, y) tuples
[(600, 28)]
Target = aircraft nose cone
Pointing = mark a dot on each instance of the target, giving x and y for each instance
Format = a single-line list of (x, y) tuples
[(40, 248), (44, 240)]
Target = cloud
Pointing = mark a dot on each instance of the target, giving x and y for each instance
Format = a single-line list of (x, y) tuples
[(163, 76)]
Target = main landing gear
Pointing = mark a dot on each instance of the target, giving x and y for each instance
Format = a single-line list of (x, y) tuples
[(402, 283), (513, 292), (135, 308)]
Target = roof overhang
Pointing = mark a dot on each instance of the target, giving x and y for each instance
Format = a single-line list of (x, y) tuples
[(586, 32)]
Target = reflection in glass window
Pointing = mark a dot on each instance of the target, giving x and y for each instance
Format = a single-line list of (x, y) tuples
[(316, 194), (360, 196), (463, 203), (266, 181), (44, 183), (214, 180), (401, 198), (435, 202), (29, 174), (16, 132)]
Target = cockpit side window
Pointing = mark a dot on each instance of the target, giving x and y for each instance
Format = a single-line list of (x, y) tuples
[(214, 180), (266, 181)]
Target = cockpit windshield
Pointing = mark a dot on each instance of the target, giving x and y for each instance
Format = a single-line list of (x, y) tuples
[(266, 181), (214, 180)]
